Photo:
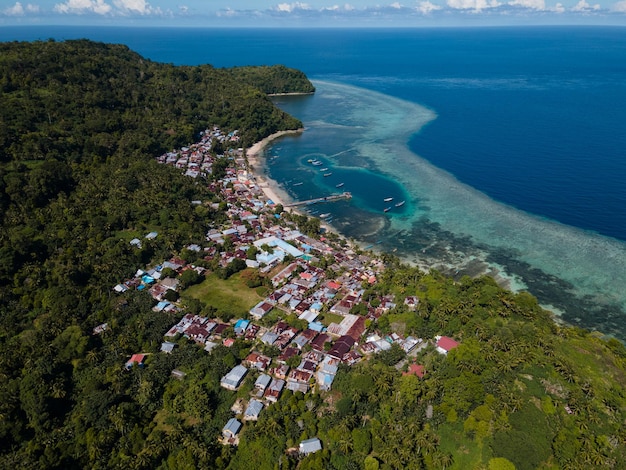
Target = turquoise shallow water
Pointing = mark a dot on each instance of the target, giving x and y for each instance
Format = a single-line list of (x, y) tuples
[(530, 116), (362, 138)]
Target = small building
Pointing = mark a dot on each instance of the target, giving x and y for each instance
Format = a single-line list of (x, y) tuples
[(233, 379), (167, 347), (230, 432), (415, 369), (310, 446), (262, 383), (135, 359), (253, 410), (445, 344), (261, 309)]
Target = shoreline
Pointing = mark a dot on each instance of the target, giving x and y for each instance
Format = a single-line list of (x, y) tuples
[(256, 165)]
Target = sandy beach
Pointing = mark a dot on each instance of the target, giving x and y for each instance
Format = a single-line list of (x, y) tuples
[(256, 163)]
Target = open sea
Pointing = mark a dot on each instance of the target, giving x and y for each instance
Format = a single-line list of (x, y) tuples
[(507, 145)]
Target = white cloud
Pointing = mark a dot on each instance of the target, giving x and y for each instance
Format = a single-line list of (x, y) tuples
[(289, 7), (333, 8), (427, 7), (19, 10), (99, 7), (476, 5), (532, 4), (582, 5), (559, 8), (348, 7), (619, 6), (15, 10), (134, 6), (396, 5)]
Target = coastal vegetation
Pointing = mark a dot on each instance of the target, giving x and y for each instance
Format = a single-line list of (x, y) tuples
[(82, 123)]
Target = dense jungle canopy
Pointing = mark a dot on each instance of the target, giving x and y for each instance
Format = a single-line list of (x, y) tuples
[(80, 126)]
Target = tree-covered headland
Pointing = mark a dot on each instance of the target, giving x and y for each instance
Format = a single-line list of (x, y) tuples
[(80, 126)]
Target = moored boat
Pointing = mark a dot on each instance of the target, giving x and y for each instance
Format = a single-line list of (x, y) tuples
[(323, 169), (388, 199), (387, 209), (327, 174), (323, 216), (400, 204), (339, 185)]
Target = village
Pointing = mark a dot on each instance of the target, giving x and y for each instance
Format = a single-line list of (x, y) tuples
[(308, 354)]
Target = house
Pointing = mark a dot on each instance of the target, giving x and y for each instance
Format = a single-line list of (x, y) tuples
[(341, 347), (411, 302), (241, 326), (135, 359), (286, 354), (233, 379), (272, 393), (261, 309), (415, 369), (167, 347), (257, 361), (445, 344), (310, 446), (230, 432), (253, 410), (262, 383)]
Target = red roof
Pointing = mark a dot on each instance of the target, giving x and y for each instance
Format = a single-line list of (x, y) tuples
[(446, 343), (136, 358), (415, 369)]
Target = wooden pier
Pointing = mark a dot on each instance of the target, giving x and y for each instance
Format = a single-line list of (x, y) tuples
[(331, 198)]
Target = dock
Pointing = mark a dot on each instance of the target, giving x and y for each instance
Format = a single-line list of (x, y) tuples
[(331, 198)]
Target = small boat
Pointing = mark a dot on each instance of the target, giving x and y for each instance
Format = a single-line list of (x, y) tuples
[(388, 199), (327, 174), (317, 163), (339, 185), (387, 209), (400, 204), (298, 184), (323, 169), (323, 216)]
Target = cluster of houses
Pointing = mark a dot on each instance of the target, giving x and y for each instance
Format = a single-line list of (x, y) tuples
[(307, 356), (198, 159)]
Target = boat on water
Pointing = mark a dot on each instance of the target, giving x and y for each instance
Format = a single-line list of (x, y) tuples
[(298, 184), (339, 185), (323, 169), (400, 204), (327, 174), (323, 216), (316, 163), (387, 209), (388, 199)]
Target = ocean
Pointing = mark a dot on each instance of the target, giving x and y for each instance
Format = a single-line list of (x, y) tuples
[(507, 145)]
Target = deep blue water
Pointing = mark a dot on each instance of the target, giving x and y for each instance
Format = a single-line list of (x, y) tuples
[(518, 143), (533, 116)]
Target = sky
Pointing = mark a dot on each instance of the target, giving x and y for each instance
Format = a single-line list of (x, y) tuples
[(312, 13)]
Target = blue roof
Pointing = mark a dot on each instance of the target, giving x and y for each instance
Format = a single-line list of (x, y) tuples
[(316, 326), (147, 279), (243, 324)]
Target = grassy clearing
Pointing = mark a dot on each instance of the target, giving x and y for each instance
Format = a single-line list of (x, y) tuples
[(329, 318), (467, 453), (226, 295)]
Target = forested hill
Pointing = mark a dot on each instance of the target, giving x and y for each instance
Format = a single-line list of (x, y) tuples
[(88, 216), (80, 99), (80, 126)]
